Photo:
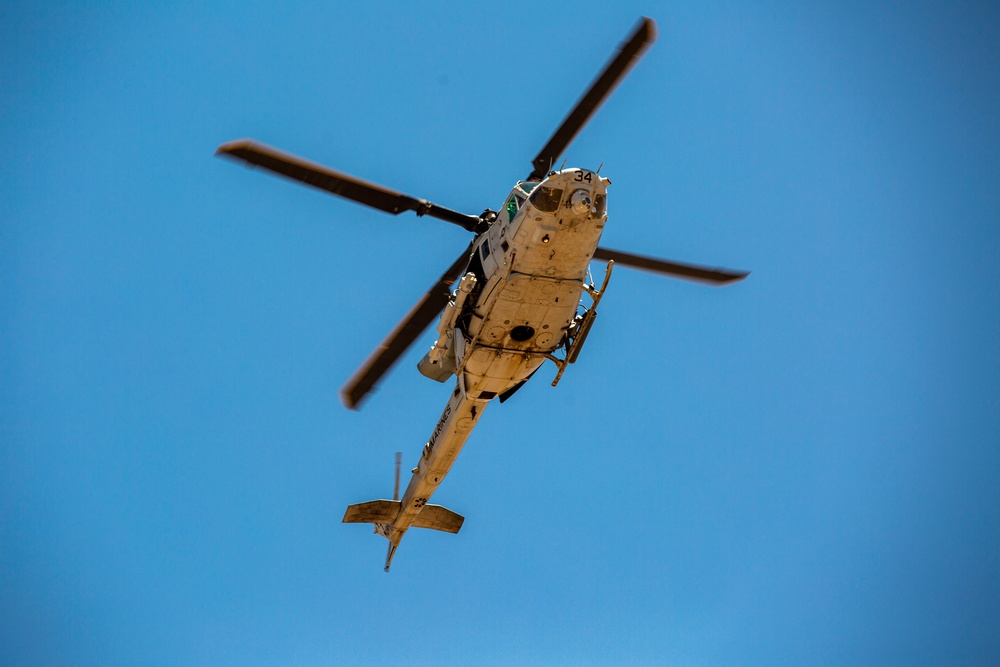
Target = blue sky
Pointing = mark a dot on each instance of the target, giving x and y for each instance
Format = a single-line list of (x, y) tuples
[(798, 469)]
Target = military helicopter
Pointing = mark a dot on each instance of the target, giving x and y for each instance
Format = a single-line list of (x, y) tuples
[(519, 299)]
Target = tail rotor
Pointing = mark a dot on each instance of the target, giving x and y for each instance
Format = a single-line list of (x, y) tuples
[(399, 462)]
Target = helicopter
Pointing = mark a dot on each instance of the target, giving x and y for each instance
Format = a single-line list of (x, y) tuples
[(520, 299)]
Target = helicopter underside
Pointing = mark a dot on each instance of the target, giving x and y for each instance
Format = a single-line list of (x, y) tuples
[(533, 295), (518, 319), (517, 304)]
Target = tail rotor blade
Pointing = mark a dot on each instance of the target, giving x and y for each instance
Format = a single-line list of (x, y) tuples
[(395, 488), (716, 276), (629, 53)]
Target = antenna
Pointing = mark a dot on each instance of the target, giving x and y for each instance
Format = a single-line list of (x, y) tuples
[(599, 168), (395, 489), (562, 165)]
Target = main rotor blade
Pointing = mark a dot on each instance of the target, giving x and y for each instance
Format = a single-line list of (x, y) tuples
[(341, 184), (614, 72), (407, 331), (716, 276)]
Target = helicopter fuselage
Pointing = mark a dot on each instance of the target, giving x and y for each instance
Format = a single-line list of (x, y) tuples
[(518, 298), (524, 285)]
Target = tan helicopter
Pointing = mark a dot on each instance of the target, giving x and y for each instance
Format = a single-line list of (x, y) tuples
[(518, 301)]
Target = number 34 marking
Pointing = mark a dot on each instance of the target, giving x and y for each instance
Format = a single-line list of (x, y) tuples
[(582, 176)]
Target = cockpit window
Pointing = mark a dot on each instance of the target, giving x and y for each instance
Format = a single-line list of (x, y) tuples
[(600, 205), (546, 199), (512, 206), (527, 186)]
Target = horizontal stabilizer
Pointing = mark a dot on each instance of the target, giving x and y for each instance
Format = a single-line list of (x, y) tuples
[(374, 511), (434, 517)]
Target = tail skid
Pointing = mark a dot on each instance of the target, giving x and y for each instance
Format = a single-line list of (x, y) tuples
[(389, 555)]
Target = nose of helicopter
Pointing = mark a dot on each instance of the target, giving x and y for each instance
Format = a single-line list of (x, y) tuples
[(584, 190), (581, 179), (581, 191)]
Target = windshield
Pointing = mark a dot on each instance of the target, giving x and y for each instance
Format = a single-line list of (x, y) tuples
[(512, 205), (600, 205), (546, 199)]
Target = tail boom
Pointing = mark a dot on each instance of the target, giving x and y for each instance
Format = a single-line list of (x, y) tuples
[(392, 518)]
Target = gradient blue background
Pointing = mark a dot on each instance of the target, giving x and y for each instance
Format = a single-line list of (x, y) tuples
[(799, 469)]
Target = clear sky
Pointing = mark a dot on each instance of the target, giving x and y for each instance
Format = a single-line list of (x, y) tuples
[(798, 469)]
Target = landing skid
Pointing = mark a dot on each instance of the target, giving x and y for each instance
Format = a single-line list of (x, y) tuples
[(575, 342)]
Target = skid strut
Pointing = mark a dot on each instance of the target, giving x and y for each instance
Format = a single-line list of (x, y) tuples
[(573, 347)]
